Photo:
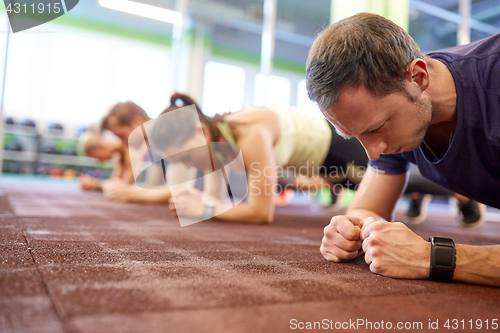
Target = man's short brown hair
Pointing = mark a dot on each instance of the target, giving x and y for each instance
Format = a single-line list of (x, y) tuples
[(363, 50)]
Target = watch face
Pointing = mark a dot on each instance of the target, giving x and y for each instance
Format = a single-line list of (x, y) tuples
[(442, 259), (444, 256), (443, 241)]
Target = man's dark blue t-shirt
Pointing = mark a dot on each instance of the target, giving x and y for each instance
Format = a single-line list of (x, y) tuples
[(471, 165)]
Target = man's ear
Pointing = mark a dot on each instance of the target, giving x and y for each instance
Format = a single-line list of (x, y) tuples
[(418, 73)]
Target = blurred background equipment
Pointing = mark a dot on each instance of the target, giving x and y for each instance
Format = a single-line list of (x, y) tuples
[(225, 53), (27, 123), (53, 152), (9, 121)]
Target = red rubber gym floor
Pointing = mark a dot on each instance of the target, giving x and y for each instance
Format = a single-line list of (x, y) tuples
[(76, 262)]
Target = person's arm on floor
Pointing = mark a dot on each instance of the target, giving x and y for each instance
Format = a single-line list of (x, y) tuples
[(478, 264), (393, 250), (89, 183), (261, 180), (117, 168), (261, 177), (376, 197), (144, 195), (119, 190), (124, 165)]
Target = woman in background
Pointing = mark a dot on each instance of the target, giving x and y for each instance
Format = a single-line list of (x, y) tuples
[(121, 120), (94, 145), (268, 139)]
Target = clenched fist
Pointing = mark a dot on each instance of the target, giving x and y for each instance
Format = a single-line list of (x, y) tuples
[(391, 249), (342, 240)]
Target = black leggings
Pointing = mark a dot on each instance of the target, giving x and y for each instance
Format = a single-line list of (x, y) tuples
[(342, 152)]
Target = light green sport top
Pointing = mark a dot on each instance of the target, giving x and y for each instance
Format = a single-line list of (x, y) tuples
[(303, 144)]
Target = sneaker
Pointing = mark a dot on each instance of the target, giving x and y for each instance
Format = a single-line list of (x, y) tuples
[(417, 213), (473, 214)]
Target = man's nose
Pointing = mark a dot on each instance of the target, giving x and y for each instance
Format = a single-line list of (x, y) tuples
[(374, 148)]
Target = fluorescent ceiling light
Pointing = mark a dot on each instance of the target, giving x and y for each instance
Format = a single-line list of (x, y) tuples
[(136, 8)]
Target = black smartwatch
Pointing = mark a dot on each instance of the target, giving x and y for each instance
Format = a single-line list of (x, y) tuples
[(443, 259)]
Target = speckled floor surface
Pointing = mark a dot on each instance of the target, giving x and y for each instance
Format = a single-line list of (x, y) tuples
[(74, 262)]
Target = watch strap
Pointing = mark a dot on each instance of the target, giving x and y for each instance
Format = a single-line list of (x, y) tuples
[(443, 259)]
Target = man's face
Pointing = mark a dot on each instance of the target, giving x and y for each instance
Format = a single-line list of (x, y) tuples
[(384, 125)]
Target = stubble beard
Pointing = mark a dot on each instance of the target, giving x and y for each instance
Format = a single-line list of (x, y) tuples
[(425, 112)]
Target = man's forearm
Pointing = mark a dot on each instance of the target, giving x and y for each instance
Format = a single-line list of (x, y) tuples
[(478, 264), (364, 213)]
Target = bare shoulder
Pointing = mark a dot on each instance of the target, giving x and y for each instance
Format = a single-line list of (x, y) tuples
[(255, 120), (253, 114)]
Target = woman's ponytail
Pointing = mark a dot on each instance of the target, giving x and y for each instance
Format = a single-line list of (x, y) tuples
[(170, 132), (178, 100)]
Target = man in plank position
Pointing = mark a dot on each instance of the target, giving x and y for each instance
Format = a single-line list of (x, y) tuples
[(440, 111)]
